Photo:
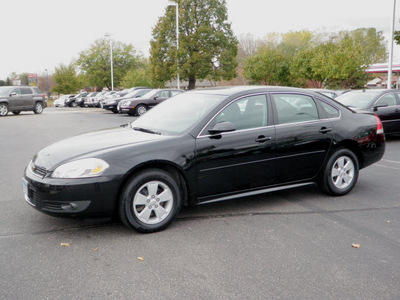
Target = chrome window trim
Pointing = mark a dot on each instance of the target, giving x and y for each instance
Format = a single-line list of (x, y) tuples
[(266, 94)]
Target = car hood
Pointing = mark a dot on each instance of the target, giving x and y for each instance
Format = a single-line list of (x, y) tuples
[(91, 145)]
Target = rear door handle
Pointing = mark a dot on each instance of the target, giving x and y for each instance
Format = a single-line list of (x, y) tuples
[(263, 139), (325, 130)]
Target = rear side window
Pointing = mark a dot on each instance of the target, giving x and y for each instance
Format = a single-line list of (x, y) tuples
[(26, 91), (330, 111), (294, 108)]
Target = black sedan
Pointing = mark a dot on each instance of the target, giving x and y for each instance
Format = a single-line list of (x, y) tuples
[(204, 146), (384, 103)]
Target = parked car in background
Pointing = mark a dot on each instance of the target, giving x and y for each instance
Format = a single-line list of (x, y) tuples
[(76, 101), (106, 96), (384, 103), (21, 98), (113, 104), (141, 105), (204, 146), (60, 102), (90, 99)]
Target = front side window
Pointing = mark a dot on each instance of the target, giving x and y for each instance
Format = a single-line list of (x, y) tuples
[(17, 91), (163, 94), (294, 108), (388, 99), (246, 113)]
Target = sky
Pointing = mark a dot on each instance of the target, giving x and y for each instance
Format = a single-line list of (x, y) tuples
[(41, 34)]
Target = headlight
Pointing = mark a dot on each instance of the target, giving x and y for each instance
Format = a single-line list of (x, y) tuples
[(83, 168)]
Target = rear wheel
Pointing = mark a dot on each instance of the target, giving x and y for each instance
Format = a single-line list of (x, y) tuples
[(340, 173), (150, 201), (141, 109), (74, 104), (38, 108), (3, 109)]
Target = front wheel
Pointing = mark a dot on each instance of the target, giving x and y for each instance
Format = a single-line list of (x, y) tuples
[(3, 109), (38, 108), (150, 201), (340, 173), (141, 109)]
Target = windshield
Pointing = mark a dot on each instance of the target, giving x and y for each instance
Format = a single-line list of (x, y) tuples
[(358, 99), (177, 114), (133, 93), (4, 91)]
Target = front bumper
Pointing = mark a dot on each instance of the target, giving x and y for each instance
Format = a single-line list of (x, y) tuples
[(80, 198)]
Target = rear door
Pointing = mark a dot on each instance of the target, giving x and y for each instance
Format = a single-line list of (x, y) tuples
[(27, 97), (303, 136)]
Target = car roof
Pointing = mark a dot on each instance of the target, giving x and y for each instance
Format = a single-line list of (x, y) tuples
[(231, 90)]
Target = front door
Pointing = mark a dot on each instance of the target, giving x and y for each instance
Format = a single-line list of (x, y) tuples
[(241, 160), (16, 100)]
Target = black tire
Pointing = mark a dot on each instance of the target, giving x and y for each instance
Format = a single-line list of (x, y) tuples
[(340, 173), (150, 201), (74, 104), (16, 112), (38, 109), (141, 109), (3, 109)]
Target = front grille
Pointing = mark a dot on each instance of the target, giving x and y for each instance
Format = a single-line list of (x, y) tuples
[(41, 172)]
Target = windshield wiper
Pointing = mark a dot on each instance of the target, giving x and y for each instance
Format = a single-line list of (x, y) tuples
[(146, 130)]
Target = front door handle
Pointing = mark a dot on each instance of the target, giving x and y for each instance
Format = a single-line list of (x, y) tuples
[(263, 139), (325, 130)]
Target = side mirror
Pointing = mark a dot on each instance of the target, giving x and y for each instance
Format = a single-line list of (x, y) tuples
[(222, 127), (375, 107), (13, 94)]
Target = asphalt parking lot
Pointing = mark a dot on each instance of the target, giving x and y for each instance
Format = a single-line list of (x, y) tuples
[(294, 244)]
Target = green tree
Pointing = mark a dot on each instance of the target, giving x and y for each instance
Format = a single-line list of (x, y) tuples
[(268, 66), (67, 80), (96, 64), (207, 45), (372, 43)]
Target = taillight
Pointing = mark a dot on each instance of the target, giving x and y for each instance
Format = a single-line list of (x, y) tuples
[(379, 126)]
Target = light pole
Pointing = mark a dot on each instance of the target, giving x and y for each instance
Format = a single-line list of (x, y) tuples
[(173, 3), (389, 81), (47, 84), (111, 58)]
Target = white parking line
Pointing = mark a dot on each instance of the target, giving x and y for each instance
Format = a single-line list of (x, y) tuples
[(391, 161)]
